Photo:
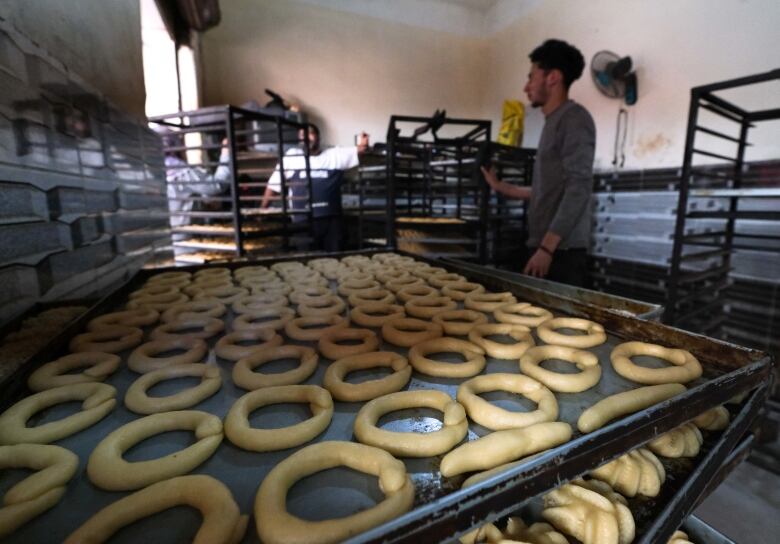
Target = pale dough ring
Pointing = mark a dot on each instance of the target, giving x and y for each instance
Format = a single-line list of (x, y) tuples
[(427, 307), (407, 331), (219, 271), (138, 401), (128, 318), (108, 470), (273, 289), (242, 434), (54, 467), (496, 418), (226, 294), (329, 346), (183, 327), (352, 285), (333, 306), (475, 360), (502, 447), (417, 291), (412, 444), (107, 339), (243, 375), (310, 292), (367, 390), (276, 526), (98, 400), (441, 280), (247, 320), (488, 302), (459, 322), (169, 276), (371, 295), (522, 313), (585, 361), (251, 303), (158, 303), (204, 307), (714, 419), (625, 403), (57, 373), (373, 314), (594, 333), (498, 350), (686, 367), (427, 271), (228, 348), (310, 328), (401, 283), (251, 270), (459, 290), (143, 360), (154, 290)]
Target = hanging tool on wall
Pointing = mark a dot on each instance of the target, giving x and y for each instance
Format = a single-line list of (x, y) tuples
[(621, 131)]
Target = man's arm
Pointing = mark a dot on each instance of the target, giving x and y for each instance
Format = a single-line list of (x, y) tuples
[(507, 189)]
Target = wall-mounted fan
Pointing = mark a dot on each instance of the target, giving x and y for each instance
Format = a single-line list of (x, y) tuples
[(613, 76)]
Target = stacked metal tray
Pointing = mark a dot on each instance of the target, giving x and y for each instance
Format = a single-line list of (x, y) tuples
[(442, 511)]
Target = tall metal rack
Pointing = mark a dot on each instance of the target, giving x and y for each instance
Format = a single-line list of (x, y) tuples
[(698, 278), (232, 223)]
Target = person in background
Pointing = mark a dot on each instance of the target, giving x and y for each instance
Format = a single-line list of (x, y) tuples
[(327, 168), (562, 183)]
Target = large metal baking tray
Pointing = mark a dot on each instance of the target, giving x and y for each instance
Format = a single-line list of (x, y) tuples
[(729, 369)]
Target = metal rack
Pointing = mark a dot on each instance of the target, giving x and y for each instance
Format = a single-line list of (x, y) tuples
[(231, 222), (717, 130)]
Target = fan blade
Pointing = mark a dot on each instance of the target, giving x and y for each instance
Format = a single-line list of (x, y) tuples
[(621, 68), (631, 89)]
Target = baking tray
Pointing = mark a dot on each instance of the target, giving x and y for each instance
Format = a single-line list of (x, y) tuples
[(439, 513), (643, 310)]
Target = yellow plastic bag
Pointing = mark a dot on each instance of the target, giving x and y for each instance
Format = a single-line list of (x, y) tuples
[(512, 120)]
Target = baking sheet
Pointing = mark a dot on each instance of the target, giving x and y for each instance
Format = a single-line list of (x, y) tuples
[(318, 497)]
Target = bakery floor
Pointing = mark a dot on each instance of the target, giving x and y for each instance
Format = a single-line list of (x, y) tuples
[(746, 506)]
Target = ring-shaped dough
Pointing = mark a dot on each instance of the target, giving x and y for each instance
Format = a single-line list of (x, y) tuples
[(228, 348), (375, 314), (138, 401), (426, 271), (459, 290), (159, 303), (585, 361), (427, 307), (252, 270), (401, 283), (243, 375), (247, 321), (127, 318), (371, 389), (108, 470), (459, 322), (276, 526), (416, 291), (308, 329), (407, 331), (412, 444), (307, 293), (475, 359), (154, 290), (98, 399), (594, 332), (441, 280), (107, 339), (226, 294), (352, 285), (522, 313), (143, 360), (498, 350), (242, 434), (496, 418), (203, 307), (686, 367), (57, 373), (488, 302), (329, 346), (330, 305), (182, 327), (251, 303), (54, 467), (371, 295), (278, 288)]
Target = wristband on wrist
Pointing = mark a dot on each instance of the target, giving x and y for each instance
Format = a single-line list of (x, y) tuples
[(550, 253)]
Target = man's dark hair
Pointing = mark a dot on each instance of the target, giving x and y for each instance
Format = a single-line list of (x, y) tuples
[(557, 54)]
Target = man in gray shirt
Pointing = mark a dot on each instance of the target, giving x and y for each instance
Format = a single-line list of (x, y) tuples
[(558, 212)]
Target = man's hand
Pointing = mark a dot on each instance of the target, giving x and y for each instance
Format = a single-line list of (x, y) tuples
[(491, 177), (362, 145), (538, 265)]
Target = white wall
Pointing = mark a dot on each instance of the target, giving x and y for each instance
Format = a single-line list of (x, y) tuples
[(99, 40), (354, 63)]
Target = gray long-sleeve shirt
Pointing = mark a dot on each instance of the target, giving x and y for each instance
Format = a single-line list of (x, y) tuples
[(563, 178)]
